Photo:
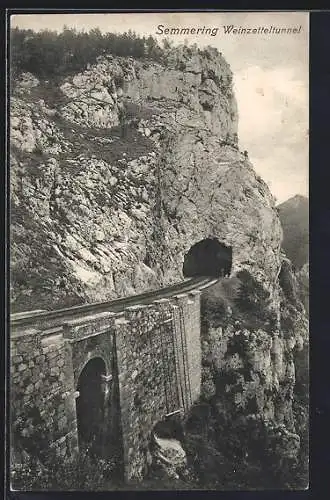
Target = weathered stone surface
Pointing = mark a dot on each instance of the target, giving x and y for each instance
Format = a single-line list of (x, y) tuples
[(36, 395), (153, 368), (92, 194), (169, 456)]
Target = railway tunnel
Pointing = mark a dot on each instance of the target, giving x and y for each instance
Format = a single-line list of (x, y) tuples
[(208, 257)]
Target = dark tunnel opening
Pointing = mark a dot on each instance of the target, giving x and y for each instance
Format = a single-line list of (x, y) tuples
[(90, 405), (170, 428), (208, 257)]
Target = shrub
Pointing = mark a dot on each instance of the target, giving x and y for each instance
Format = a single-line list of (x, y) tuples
[(75, 473), (37, 466), (243, 298), (242, 453), (254, 305), (218, 300)]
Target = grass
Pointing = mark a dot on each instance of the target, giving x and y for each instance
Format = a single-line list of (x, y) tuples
[(50, 92)]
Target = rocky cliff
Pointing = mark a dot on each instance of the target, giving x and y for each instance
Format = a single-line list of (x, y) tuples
[(294, 214), (116, 172), (255, 385)]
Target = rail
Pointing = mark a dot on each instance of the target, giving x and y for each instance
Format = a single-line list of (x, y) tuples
[(116, 305)]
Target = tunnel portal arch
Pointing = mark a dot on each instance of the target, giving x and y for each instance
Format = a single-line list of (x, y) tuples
[(208, 257), (90, 405)]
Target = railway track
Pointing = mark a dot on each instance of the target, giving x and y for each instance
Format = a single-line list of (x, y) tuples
[(32, 317)]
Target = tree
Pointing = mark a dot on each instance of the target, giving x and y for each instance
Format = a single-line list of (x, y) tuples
[(49, 54), (167, 44)]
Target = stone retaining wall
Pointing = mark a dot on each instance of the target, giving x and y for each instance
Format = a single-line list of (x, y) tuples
[(152, 358)]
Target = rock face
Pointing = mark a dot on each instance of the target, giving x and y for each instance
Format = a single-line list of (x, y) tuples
[(168, 456), (249, 350), (294, 219), (102, 210), (116, 173), (254, 384), (303, 280)]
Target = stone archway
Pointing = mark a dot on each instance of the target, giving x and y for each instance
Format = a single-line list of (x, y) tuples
[(208, 257), (90, 405)]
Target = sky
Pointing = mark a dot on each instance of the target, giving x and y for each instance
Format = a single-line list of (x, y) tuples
[(271, 78)]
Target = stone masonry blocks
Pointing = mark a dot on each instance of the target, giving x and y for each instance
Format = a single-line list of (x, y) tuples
[(152, 355)]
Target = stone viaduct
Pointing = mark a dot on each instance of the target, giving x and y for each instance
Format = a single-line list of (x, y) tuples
[(103, 376)]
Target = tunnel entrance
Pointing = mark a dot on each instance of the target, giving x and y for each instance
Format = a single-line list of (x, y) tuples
[(90, 406), (208, 257)]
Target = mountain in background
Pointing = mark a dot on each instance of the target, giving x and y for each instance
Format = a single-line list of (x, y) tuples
[(294, 219)]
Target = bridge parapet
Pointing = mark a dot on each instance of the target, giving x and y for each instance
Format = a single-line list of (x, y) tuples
[(88, 326)]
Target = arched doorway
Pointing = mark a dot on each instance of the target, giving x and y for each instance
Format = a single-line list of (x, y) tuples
[(208, 257), (90, 406)]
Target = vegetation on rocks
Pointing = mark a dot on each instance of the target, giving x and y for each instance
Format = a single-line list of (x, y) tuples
[(252, 430), (242, 298), (49, 54), (92, 154), (124, 156), (240, 453), (81, 472), (36, 463)]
